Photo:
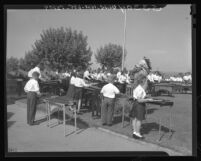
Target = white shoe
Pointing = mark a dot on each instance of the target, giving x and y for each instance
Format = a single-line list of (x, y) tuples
[(134, 132), (138, 134)]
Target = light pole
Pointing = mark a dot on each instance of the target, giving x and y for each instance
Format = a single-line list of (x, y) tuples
[(124, 43)]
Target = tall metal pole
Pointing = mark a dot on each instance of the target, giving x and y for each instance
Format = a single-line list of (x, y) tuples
[(122, 66)]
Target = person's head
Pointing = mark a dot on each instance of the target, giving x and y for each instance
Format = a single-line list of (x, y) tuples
[(73, 74), (144, 83), (80, 74), (110, 79), (35, 75)]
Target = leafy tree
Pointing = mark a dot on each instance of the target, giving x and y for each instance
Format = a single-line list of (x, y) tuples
[(110, 56), (12, 64), (61, 49)]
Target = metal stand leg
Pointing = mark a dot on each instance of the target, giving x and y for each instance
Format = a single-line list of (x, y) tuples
[(170, 125), (47, 113), (75, 117), (159, 132), (58, 115), (64, 119), (123, 116)]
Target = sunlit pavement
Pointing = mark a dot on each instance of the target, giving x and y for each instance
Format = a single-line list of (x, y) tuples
[(40, 138)]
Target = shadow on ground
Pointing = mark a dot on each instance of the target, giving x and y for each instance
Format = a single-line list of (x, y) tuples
[(9, 115), (118, 119), (69, 120), (10, 123), (148, 127)]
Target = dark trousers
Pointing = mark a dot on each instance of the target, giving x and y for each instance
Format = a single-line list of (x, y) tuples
[(31, 107), (95, 104), (107, 110)]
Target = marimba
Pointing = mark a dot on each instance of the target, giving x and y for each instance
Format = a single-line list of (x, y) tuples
[(159, 102), (50, 86), (162, 103), (63, 103)]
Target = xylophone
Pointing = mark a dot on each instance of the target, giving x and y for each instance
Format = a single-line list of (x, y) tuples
[(49, 86), (151, 101), (162, 103), (62, 102)]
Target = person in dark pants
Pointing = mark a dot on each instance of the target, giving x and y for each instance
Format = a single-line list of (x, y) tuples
[(33, 92), (95, 103), (108, 99)]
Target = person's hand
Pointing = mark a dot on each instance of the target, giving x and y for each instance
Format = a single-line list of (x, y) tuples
[(39, 94)]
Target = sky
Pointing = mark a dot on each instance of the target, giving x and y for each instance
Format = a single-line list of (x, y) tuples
[(162, 36)]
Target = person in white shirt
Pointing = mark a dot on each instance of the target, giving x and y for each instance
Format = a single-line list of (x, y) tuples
[(138, 110), (118, 74), (79, 83), (86, 75), (33, 92), (108, 91)]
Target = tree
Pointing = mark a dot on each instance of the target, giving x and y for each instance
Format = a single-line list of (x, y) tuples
[(12, 64), (61, 48), (110, 56)]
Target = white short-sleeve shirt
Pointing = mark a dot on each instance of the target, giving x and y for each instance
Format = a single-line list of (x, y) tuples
[(122, 79), (31, 86), (118, 74), (36, 69), (86, 74), (139, 92), (109, 90), (72, 80), (79, 82)]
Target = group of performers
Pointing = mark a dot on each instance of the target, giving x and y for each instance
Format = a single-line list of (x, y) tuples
[(114, 84)]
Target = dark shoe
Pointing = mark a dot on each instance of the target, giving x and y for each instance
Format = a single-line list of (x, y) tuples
[(109, 124), (35, 123), (104, 124), (135, 136)]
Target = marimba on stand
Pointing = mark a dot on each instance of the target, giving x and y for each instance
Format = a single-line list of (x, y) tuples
[(62, 102), (160, 102), (163, 104)]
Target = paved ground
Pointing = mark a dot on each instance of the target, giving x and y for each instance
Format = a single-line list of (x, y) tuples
[(40, 138)]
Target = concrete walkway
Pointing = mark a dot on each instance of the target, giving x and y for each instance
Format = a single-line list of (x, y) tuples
[(40, 138)]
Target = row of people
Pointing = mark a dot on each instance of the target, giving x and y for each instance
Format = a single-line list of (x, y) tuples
[(108, 92)]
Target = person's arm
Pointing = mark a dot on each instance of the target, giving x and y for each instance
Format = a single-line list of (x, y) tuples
[(26, 88), (36, 87), (30, 73), (116, 90), (83, 83), (141, 97)]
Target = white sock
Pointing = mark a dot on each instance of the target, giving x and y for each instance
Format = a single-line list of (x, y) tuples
[(134, 132), (138, 134)]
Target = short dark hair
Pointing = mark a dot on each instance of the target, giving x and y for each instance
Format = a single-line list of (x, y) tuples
[(35, 74)]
